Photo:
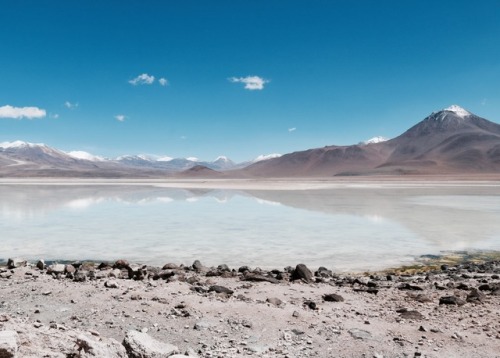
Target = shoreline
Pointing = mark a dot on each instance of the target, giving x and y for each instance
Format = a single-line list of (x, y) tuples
[(271, 183), (452, 310)]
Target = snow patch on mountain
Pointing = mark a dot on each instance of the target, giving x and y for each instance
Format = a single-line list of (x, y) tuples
[(79, 154), (459, 111), (374, 140), (164, 159), (20, 144), (222, 158), (262, 157)]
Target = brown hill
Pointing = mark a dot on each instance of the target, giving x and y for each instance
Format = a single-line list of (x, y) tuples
[(200, 171), (450, 141)]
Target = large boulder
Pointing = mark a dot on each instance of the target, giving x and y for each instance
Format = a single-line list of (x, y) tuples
[(103, 348), (142, 345), (301, 272), (8, 344), (13, 263)]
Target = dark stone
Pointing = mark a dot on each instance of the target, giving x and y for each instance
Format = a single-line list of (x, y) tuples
[(163, 274), (244, 269), (439, 287), (283, 276), (197, 266), (170, 266), (451, 300), (137, 272), (104, 266), (372, 290), (259, 278), (213, 273), (121, 264), (199, 289), (80, 276), (15, 263), (312, 305), (323, 272), (333, 297), (407, 286), (463, 286), (476, 296), (421, 298), (223, 268), (301, 272), (41, 264), (220, 289), (489, 287)]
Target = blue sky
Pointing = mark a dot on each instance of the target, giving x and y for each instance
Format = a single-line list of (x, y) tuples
[(239, 78)]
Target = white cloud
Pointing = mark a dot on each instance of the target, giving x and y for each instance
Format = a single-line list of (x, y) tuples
[(70, 105), (21, 112), (293, 129), (120, 117), (143, 79), (251, 82), (55, 115), (163, 82)]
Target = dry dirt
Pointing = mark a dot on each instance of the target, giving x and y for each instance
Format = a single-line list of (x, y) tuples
[(184, 306)]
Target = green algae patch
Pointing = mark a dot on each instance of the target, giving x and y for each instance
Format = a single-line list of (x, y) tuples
[(426, 263)]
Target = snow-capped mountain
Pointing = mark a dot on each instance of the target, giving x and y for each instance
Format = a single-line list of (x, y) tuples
[(34, 152), (452, 140), (374, 140)]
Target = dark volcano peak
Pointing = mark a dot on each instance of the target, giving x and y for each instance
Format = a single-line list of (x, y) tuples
[(450, 120)]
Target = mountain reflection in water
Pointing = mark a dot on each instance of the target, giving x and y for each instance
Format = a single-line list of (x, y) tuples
[(362, 228)]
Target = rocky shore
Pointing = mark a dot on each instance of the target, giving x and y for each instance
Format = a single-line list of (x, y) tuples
[(118, 309)]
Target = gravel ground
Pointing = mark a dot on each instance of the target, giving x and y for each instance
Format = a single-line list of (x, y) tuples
[(222, 312)]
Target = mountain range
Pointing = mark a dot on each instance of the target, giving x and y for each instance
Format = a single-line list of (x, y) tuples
[(449, 141), (21, 158)]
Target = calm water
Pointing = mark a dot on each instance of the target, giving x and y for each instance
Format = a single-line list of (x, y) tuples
[(357, 228)]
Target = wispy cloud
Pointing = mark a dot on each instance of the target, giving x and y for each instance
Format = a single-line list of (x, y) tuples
[(163, 82), (55, 115), (251, 82), (484, 101), (70, 105), (293, 129), (120, 117), (21, 112), (143, 79)]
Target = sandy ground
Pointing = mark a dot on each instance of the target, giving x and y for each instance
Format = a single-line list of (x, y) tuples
[(385, 315)]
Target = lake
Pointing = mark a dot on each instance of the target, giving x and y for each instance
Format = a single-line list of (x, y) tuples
[(343, 227)]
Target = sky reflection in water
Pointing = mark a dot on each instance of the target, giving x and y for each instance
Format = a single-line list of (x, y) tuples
[(342, 229)]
